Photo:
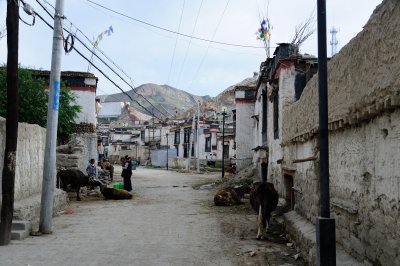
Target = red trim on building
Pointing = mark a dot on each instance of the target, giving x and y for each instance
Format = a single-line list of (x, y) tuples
[(83, 88)]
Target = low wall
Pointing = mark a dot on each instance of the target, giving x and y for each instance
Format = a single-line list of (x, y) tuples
[(30, 158), (159, 157), (29, 172)]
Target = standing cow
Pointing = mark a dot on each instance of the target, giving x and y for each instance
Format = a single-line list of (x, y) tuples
[(264, 200), (75, 179)]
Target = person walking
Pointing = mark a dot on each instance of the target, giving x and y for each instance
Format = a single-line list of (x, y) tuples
[(127, 173)]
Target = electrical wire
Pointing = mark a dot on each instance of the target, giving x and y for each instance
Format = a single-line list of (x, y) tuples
[(176, 41), (209, 44), (171, 31), (98, 69), (187, 48), (132, 87)]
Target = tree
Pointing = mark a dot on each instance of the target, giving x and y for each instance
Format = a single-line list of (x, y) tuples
[(33, 102), (304, 30), (3, 32)]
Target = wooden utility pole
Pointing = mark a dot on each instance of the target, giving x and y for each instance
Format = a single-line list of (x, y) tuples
[(10, 154)]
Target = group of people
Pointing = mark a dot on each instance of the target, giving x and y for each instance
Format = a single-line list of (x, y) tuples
[(126, 174)]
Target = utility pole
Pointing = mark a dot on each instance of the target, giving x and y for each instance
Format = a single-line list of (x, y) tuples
[(325, 226), (167, 151), (10, 153), (49, 170), (191, 136), (223, 142), (197, 138)]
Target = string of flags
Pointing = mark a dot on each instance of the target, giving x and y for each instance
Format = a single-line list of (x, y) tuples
[(107, 32), (264, 32)]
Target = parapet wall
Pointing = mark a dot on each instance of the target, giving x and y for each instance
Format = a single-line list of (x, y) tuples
[(363, 79)]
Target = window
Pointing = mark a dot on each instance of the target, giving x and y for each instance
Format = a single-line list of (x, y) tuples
[(142, 135), (264, 112), (185, 150), (276, 116), (208, 144), (177, 138), (186, 136)]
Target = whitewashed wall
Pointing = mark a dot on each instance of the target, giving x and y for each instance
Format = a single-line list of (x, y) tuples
[(86, 99), (30, 158), (244, 129), (286, 97)]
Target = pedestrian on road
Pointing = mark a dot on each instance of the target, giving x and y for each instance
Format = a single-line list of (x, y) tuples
[(127, 172), (91, 170)]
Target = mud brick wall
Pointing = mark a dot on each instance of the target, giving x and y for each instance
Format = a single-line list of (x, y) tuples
[(364, 124)]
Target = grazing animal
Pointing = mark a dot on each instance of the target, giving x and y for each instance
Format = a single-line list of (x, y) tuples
[(211, 163), (75, 179), (108, 166), (264, 200), (230, 196), (231, 169), (113, 193)]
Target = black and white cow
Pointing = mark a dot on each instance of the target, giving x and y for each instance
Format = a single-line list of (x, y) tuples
[(75, 179), (264, 200)]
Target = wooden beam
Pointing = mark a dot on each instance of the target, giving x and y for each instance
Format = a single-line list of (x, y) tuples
[(312, 158)]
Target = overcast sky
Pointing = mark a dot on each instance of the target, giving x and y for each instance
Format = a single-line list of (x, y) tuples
[(147, 55)]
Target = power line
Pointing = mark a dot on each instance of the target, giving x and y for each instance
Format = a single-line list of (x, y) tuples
[(133, 88), (171, 31), (176, 41), (212, 38), (98, 69), (187, 48)]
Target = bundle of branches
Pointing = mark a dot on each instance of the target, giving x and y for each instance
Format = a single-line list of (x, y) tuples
[(303, 31)]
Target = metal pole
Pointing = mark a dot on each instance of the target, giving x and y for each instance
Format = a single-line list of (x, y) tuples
[(326, 241), (8, 177), (136, 151), (191, 136), (49, 170), (223, 141), (197, 138), (167, 151)]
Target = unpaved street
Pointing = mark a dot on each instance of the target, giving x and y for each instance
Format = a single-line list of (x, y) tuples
[(167, 222)]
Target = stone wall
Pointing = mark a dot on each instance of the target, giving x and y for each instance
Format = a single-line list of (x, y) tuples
[(30, 158)]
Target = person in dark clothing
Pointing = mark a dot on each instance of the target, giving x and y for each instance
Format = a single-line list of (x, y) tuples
[(127, 173)]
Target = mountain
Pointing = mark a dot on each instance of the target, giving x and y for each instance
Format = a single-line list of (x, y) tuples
[(165, 98), (225, 99)]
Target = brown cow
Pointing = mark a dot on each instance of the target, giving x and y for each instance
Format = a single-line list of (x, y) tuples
[(113, 193), (230, 196), (264, 200), (108, 166)]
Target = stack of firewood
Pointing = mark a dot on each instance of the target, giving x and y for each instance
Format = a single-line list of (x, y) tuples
[(83, 128)]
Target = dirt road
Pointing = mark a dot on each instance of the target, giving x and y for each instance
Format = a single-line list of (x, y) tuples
[(167, 222)]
